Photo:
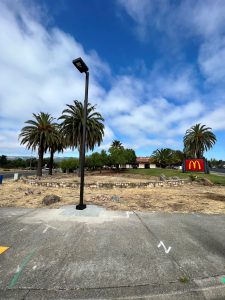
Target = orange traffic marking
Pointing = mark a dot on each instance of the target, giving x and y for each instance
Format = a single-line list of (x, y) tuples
[(3, 249)]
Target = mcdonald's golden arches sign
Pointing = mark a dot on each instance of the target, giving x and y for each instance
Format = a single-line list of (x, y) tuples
[(195, 165)]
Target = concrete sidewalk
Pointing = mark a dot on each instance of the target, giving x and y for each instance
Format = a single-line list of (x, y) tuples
[(99, 254)]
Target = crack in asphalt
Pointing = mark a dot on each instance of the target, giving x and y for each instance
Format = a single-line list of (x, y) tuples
[(171, 257)]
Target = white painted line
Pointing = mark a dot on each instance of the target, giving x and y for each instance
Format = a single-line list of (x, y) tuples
[(47, 227), (166, 250)]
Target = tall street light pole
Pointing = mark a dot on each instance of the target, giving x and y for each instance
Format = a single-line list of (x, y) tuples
[(82, 67)]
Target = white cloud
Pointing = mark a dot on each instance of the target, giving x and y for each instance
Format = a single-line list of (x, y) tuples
[(210, 57), (125, 93), (207, 17), (180, 85), (215, 118), (146, 14), (36, 70), (139, 11), (189, 17), (37, 75)]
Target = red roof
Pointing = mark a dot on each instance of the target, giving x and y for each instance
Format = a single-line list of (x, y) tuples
[(142, 160)]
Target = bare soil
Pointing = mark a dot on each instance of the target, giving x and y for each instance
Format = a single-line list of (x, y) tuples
[(188, 198)]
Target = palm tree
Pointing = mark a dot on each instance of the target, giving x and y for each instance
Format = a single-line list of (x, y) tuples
[(178, 157), (72, 126), (40, 133), (57, 145), (198, 139), (116, 144), (163, 157)]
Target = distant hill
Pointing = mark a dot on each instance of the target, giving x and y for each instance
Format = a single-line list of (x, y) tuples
[(16, 157), (33, 156)]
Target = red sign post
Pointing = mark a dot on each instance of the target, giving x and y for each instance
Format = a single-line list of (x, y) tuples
[(195, 165)]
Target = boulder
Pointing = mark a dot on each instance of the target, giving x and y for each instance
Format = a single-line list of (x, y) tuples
[(50, 199), (29, 192), (115, 198)]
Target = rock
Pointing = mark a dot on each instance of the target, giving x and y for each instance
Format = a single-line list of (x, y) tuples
[(115, 198), (29, 192), (175, 178), (162, 177), (50, 199)]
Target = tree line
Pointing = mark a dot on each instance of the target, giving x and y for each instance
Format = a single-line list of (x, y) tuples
[(44, 134), (21, 163), (117, 155)]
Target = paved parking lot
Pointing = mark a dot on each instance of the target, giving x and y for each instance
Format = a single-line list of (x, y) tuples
[(98, 254)]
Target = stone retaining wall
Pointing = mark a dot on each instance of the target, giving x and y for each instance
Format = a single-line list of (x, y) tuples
[(104, 185)]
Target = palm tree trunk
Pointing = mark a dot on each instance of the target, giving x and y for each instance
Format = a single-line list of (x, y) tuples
[(40, 161), (51, 162), (80, 153)]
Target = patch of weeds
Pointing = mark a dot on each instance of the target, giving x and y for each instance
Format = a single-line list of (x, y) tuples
[(184, 279), (193, 177)]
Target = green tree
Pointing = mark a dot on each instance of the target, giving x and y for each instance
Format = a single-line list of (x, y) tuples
[(130, 156), (117, 156), (117, 144), (70, 164), (3, 161), (98, 160), (39, 134), (18, 163), (198, 139), (72, 126), (177, 157), (163, 157), (105, 158), (31, 163), (95, 160)]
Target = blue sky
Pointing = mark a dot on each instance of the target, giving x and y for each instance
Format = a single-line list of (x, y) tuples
[(156, 67)]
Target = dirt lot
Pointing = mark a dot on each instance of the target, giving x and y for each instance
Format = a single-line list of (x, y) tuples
[(187, 198)]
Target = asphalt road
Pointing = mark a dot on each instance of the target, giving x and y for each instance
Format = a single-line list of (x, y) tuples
[(217, 170), (220, 172), (98, 254)]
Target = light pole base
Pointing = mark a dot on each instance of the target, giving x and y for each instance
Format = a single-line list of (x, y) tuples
[(81, 206)]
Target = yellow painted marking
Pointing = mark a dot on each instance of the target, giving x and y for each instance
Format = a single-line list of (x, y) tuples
[(3, 249)]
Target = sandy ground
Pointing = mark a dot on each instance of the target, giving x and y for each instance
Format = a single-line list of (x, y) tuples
[(187, 198)]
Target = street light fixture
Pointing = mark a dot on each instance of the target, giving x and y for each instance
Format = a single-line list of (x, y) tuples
[(82, 67)]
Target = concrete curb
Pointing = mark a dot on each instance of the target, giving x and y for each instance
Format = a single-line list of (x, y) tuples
[(120, 293)]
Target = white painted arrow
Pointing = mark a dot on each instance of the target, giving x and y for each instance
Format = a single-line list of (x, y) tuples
[(166, 250)]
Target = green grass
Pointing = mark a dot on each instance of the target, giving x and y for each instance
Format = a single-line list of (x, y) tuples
[(216, 179)]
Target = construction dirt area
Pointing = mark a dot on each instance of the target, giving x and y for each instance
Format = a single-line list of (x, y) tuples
[(189, 197)]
